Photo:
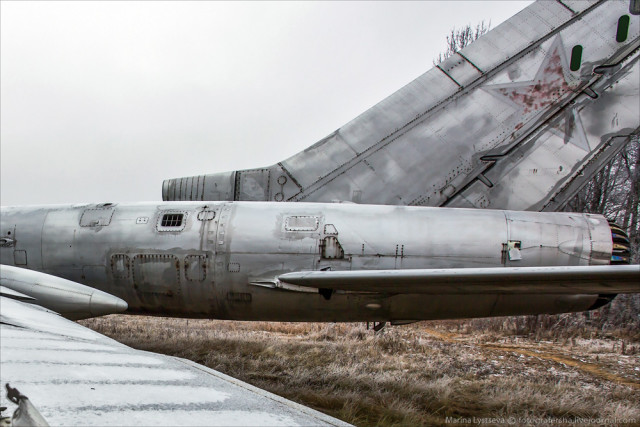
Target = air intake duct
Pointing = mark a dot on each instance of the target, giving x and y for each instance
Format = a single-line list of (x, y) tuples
[(219, 186)]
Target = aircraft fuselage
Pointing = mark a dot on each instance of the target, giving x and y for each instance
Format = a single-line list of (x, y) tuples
[(221, 259)]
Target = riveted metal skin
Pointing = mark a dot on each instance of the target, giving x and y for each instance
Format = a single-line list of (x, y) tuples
[(223, 260), (509, 122)]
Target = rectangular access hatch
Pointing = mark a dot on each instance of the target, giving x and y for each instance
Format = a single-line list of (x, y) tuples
[(301, 223), (156, 273), (96, 217), (120, 266), (20, 257), (195, 267)]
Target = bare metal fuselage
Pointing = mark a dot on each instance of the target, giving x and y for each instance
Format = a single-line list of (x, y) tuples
[(217, 260)]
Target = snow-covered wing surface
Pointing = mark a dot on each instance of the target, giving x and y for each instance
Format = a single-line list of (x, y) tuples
[(520, 280), (75, 376)]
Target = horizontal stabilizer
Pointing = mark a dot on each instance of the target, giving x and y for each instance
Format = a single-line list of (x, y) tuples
[(606, 279)]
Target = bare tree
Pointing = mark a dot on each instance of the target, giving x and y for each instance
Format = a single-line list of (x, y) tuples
[(459, 39), (615, 193)]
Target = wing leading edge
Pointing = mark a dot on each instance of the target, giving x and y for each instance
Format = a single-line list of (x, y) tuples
[(70, 299), (520, 280)]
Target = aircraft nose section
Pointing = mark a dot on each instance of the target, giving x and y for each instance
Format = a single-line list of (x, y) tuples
[(103, 303)]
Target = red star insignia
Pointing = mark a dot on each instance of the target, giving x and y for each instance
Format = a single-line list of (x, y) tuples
[(548, 85)]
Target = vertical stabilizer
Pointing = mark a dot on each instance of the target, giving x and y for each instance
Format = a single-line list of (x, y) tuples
[(519, 119)]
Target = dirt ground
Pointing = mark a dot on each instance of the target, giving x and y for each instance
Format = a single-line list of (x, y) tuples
[(428, 373)]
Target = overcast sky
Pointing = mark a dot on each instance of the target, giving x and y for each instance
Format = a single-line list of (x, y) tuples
[(101, 101)]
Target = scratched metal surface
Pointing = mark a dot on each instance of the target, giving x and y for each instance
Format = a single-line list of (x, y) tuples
[(504, 124), (75, 376), (224, 258)]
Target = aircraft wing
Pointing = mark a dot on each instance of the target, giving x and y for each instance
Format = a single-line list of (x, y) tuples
[(75, 376), (520, 119), (500, 280)]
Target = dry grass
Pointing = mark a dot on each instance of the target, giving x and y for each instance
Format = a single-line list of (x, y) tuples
[(408, 375)]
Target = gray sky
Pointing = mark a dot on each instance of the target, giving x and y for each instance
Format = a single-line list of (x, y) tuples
[(101, 101)]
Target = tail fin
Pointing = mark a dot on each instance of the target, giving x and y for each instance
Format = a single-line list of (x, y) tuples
[(519, 119)]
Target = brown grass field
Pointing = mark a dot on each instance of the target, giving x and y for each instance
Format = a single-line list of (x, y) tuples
[(428, 373)]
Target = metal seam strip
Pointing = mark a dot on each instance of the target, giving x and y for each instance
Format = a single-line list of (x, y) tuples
[(566, 7), (472, 64), (446, 74)]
